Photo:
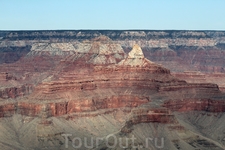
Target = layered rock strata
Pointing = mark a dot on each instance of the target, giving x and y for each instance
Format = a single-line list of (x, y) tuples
[(177, 50), (94, 89), (107, 86)]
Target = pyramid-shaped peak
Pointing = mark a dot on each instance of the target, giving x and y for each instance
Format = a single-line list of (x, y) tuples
[(136, 52), (136, 58)]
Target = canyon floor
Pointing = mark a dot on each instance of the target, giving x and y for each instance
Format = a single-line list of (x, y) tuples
[(102, 93)]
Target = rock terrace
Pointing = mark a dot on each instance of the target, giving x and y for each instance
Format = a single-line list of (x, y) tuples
[(91, 88)]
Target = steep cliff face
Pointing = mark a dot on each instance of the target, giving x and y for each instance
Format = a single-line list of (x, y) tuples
[(195, 104), (92, 88), (191, 50), (103, 86), (15, 91), (84, 86), (11, 54)]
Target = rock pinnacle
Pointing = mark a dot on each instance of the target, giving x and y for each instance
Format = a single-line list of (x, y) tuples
[(136, 52), (135, 58)]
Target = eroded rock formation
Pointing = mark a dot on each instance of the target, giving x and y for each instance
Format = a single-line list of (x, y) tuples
[(93, 88), (71, 91)]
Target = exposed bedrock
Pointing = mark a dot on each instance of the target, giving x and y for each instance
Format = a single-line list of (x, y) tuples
[(95, 89), (184, 105), (177, 50), (133, 82), (17, 91)]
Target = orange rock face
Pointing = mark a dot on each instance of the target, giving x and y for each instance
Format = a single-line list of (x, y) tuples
[(75, 106), (14, 92), (207, 105), (28, 109)]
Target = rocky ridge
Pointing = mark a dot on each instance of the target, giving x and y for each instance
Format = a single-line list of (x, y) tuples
[(134, 72), (177, 50), (86, 93)]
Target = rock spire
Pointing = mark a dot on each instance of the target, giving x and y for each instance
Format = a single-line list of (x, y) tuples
[(136, 52), (136, 58)]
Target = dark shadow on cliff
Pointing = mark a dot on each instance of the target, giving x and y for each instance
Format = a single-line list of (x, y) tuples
[(13, 54)]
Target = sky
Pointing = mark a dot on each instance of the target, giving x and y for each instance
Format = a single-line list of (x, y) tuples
[(112, 14)]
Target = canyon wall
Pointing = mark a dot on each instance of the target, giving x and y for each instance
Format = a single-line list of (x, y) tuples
[(177, 50), (80, 85), (96, 83)]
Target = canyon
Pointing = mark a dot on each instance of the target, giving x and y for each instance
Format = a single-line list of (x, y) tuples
[(92, 84)]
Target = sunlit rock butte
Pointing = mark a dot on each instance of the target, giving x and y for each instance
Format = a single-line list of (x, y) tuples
[(152, 89)]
